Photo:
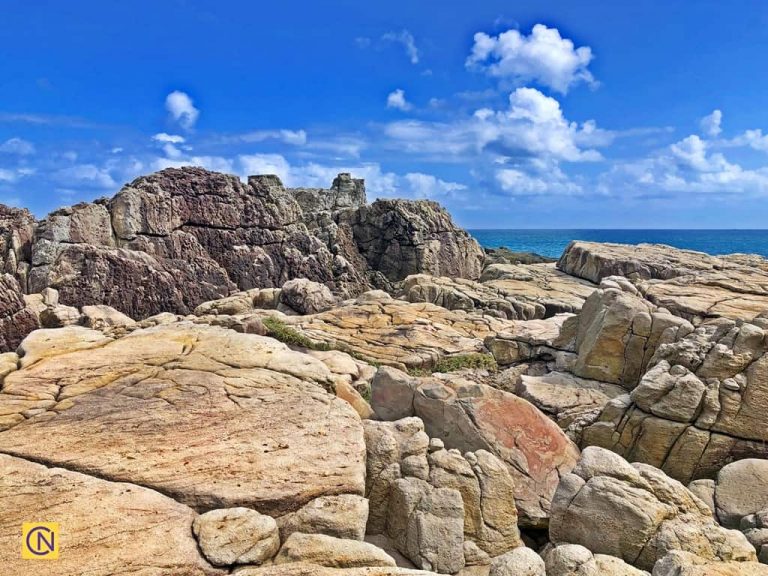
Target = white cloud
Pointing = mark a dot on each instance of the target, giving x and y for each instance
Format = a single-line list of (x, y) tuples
[(532, 126), (8, 175), (182, 109), (169, 138), (536, 181), (544, 57), (293, 137), (396, 99), (87, 175), (429, 186), (254, 164), (17, 146), (710, 124), (408, 42)]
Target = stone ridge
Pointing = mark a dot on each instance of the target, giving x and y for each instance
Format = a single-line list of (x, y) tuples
[(173, 239)]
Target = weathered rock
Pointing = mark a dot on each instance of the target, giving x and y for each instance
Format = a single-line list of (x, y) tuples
[(636, 513), (690, 284), (427, 525), (304, 569), (104, 317), (322, 550), (755, 528), (463, 294), (344, 516), (16, 320), (698, 407), (345, 192), (306, 297), (105, 526), (678, 563), (392, 393), (575, 560), (469, 416), (60, 316), (377, 327), (540, 284), (570, 401), (619, 332), (550, 339), (401, 237), (518, 562), (17, 229), (741, 489), (236, 536), (168, 407)]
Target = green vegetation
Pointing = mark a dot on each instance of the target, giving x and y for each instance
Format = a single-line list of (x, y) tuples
[(279, 330), (459, 362)]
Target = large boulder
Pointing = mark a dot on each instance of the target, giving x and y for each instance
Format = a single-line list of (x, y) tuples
[(236, 536), (678, 563), (17, 229), (700, 405), (636, 513), (106, 527), (322, 550), (306, 297), (575, 560), (207, 416), (741, 490)]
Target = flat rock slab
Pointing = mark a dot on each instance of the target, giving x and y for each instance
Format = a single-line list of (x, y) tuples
[(541, 284), (399, 333), (693, 285), (105, 527), (303, 569), (207, 416)]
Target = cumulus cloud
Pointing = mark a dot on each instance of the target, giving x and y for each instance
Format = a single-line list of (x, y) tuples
[(406, 39), (532, 126), (182, 109), (85, 175), (423, 185), (17, 146), (396, 99), (544, 57), (293, 137), (710, 124), (169, 138)]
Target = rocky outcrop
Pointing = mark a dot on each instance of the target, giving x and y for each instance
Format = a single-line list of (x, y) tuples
[(692, 285), (469, 416), (236, 536), (698, 407), (434, 502), (172, 240), (400, 237), (538, 284), (741, 489), (686, 564), (16, 319), (462, 294), (636, 513)]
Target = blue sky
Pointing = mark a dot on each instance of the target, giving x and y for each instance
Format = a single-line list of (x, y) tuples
[(513, 114)]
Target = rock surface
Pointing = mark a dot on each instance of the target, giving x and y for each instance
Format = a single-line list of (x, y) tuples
[(236, 536), (167, 408), (16, 319), (636, 513), (104, 525), (322, 550), (575, 560)]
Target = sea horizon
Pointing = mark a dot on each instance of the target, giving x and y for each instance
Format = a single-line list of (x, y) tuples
[(551, 242)]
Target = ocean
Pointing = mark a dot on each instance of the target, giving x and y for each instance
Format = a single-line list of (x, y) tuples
[(551, 243)]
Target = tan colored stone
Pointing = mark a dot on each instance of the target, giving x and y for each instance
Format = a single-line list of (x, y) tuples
[(323, 550), (236, 536), (105, 527), (208, 416)]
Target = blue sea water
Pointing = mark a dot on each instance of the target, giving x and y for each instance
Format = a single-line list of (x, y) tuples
[(552, 242)]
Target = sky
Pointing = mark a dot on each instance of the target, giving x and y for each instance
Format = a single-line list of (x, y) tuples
[(513, 114)]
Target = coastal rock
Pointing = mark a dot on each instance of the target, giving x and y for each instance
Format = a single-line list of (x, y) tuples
[(322, 550), (343, 516), (462, 294), (104, 526), (401, 237), (575, 560), (167, 407), (16, 319), (306, 297), (689, 284), (306, 569), (518, 562), (699, 406), (636, 513), (741, 489), (549, 339), (236, 536), (396, 333), (469, 416), (17, 229), (539, 284), (678, 563)]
